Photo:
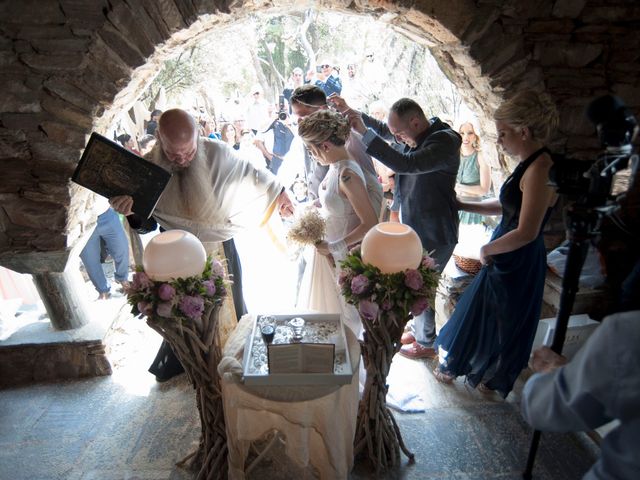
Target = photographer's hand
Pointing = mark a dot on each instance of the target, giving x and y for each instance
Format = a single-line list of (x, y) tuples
[(545, 360)]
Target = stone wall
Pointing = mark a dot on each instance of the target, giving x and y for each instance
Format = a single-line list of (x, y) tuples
[(67, 67)]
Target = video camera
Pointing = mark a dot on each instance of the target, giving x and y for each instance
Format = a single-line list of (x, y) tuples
[(590, 182), (282, 109)]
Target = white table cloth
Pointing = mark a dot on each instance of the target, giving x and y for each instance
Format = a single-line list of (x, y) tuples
[(317, 422)]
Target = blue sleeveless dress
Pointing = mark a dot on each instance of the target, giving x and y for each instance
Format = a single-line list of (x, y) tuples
[(489, 336)]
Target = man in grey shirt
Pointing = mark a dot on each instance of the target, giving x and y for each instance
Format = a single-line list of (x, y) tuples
[(600, 384), (425, 156)]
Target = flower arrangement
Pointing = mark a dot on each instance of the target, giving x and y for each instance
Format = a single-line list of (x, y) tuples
[(183, 298), (308, 228), (398, 294)]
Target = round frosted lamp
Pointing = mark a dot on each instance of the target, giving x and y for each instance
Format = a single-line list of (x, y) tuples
[(392, 247), (174, 254)]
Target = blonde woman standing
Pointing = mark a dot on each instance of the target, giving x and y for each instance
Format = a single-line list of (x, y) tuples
[(474, 175), (489, 336), (347, 206)]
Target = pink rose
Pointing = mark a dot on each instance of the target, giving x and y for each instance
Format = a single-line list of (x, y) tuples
[(343, 277), (165, 309), (419, 305), (359, 284), (217, 268), (145, 308), (210, 287), (166, 292), (141, 281), (428, 262), (413, 279), (192, 306), (368, 310)]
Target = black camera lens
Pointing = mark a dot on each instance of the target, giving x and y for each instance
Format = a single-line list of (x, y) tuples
[(282, 116)]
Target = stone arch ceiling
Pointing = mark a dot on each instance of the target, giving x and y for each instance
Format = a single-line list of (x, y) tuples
[(67, 67)]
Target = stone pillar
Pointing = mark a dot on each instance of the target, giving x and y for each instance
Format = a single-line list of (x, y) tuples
[(63, 295)]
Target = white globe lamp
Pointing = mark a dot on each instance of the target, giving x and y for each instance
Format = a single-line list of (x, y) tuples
[(174, 254), (392, 247)]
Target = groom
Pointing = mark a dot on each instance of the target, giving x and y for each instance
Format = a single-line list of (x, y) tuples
[(425, 155)]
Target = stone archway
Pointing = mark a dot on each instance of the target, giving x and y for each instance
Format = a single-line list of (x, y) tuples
[(69, 68)]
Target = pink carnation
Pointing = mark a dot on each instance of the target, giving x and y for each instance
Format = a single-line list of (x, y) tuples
[(419, 305), (428, 262), (166, 292), (210, 287), (192, 306), (368, 310), (413, 279), (359, 284), (165, 309)]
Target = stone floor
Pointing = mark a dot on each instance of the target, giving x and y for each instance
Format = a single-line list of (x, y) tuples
[(127, 426)]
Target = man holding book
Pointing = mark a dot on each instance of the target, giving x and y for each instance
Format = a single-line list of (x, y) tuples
[(213, 193)]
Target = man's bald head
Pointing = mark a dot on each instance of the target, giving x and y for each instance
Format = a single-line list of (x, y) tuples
[(178, 135)]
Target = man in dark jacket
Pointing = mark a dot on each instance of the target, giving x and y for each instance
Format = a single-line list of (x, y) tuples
[(425, 154)]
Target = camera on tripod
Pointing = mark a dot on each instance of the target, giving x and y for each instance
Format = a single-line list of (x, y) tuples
[(282, 109), (590, 181)]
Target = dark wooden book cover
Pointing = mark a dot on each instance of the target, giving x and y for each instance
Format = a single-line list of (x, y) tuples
[(109, 169)]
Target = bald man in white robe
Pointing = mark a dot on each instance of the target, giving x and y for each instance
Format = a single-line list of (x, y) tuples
[(213, 194)]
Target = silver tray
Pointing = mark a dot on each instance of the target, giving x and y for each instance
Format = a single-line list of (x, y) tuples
[(319, 328)]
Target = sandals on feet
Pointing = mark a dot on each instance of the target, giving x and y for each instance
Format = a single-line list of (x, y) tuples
[(482, 388), (443, 377)]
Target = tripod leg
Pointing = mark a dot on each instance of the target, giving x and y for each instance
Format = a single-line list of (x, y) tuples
[(533, 449)]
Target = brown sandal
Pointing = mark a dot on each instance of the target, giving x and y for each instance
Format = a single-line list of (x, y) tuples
[(443, 377), (482, 388)]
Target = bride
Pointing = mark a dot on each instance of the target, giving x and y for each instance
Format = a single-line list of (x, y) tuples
[(349, 209)]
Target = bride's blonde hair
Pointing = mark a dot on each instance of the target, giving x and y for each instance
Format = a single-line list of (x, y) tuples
[(322, 126)]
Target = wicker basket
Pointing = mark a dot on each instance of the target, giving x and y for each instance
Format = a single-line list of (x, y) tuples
[(467, 265)]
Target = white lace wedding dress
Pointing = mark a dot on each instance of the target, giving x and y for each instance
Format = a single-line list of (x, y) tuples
[(319, 289)]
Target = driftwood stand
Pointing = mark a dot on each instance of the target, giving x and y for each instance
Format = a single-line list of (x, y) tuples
[(377, 431), (197, 347)]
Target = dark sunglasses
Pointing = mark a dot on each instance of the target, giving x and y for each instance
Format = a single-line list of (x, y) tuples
[(324, 66)]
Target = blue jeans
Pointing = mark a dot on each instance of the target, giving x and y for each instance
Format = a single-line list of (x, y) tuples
[(109, 228), (424, 325)]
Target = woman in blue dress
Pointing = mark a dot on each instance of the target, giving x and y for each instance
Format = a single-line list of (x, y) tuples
[(489, 336)]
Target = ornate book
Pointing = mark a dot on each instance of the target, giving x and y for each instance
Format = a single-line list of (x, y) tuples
[(109, 169)]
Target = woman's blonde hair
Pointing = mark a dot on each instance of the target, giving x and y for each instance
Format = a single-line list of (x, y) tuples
[(322, 126), (477, 144), (531, 109)]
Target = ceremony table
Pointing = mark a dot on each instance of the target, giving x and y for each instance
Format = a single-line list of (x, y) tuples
[(317, 422)]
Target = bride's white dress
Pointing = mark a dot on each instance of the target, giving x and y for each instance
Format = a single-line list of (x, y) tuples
[(319, 289)]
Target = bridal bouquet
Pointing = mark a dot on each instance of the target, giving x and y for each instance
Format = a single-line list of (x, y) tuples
[(400, 294), (308, 228), (181, 298)]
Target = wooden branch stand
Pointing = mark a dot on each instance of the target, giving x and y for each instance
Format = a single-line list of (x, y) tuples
[(197, 347), (376, 429)]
